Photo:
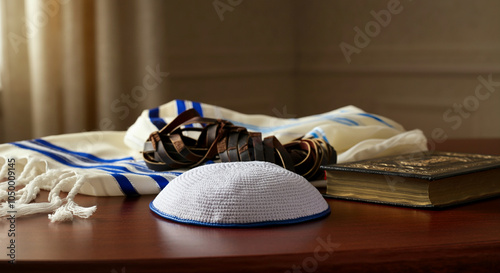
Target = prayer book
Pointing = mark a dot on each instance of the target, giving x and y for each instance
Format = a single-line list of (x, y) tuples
[(426, 179)]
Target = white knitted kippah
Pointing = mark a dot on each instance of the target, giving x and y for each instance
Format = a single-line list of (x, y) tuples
[(250, 193)]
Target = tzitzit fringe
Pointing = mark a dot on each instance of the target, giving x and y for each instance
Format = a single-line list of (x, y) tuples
[(32, 180)]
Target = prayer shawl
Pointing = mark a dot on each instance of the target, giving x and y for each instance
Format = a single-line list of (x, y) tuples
[(110, 163)]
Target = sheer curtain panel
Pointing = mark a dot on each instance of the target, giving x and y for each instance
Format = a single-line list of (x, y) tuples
[(80, 65)]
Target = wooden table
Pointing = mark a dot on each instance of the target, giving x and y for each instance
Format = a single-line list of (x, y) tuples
[(124, 236)]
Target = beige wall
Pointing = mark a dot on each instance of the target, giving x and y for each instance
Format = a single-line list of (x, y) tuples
[(267, 55), (283, 58), (425, 60), (245, 62)]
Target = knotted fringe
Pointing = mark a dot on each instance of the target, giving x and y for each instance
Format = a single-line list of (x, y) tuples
[(35, 177)]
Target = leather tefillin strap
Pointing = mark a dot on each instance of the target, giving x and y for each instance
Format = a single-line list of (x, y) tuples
[(177, 145)]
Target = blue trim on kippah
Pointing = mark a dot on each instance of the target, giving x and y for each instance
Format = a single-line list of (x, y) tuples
[(243, 225)]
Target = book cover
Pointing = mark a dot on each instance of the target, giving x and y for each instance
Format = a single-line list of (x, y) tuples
[(436, 179)]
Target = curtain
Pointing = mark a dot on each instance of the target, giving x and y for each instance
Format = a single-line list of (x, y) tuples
[(80, 65)]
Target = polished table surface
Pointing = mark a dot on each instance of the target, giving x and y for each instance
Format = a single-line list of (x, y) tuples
[(124, 236)]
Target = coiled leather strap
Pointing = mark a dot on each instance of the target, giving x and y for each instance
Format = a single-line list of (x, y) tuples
[(173, 147)]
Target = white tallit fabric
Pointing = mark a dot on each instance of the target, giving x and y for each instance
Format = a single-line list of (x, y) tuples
[(355, 134), (110, 163), (91, 163)]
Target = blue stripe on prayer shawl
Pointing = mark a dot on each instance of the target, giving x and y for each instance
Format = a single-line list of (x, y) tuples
[(314, 134), (375, 118), (341, 120), (160, 180), (115, 171), (181, 106), (154, 117), (322, 133), (347, 121), (154, 113), (197, 107), (84, 157), (88, 159), (78, 154), (159, 123), (271, 129), (122, 181), (127, 187), (66, 161)]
